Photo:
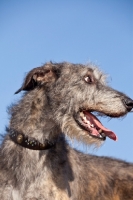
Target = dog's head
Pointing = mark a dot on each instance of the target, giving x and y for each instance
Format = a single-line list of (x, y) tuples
[(74, 93)]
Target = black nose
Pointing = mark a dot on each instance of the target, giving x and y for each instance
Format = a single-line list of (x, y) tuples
[(128, 103)]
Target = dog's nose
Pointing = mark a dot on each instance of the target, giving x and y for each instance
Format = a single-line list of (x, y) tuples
[(128, 103)]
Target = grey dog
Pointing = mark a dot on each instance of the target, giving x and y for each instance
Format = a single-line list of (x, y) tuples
[(37, 163)]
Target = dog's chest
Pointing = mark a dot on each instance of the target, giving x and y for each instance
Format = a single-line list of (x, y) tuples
[(45, 188)]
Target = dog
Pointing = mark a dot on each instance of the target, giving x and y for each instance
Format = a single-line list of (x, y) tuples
[(36, 161)]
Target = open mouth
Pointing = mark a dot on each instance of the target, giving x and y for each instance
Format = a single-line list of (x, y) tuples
[(87, 121)]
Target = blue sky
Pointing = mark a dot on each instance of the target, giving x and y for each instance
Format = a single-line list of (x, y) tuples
[(33, 32)]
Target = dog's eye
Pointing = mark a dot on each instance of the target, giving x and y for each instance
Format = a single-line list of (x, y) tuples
[(88, 79)]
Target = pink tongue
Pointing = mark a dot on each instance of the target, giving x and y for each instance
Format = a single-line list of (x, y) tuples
[(97, 124)]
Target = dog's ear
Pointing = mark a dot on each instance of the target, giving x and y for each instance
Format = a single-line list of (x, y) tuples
[(37, 77)]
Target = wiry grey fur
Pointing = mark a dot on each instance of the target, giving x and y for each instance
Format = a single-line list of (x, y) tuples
[(55, 93)]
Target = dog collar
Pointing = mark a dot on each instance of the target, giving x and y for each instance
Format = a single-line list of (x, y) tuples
[(29, 142)]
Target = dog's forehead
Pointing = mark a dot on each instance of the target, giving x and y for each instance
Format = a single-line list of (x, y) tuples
[(92, 69), (80, 69)]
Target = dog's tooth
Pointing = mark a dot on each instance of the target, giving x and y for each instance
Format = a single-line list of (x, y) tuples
[(88, 122), (100, 136), (81, 114), (100, 130), (84, 118), (92, 125)]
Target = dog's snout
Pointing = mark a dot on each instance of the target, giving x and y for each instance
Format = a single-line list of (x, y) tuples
[(128, 103)]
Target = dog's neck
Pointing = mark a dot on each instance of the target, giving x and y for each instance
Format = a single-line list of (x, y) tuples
[(35, 122), (29, 142)]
